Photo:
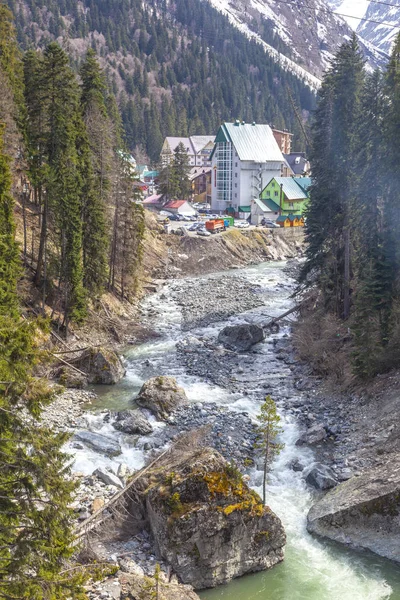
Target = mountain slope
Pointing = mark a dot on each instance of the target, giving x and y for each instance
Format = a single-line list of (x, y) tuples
[(377, 24), (308, 33), (178, 67)]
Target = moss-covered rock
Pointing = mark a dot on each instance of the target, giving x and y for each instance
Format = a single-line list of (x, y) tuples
[(70, 378), (102, 366), (161, 395), (363, 512), (208, 524)]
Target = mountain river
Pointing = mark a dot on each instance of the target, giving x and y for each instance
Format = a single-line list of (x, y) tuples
[(313, 569)]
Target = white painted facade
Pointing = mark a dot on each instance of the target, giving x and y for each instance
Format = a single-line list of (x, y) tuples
[(235, 182)]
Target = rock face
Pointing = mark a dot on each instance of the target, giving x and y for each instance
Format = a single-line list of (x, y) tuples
[(99, 443), (133, 422), (241, 337), (135, 586), (320, 476), (161, 395), (208, 525), (102, 366), (363, 512)]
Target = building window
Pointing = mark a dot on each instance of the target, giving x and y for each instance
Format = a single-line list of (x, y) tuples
[(235, 164), (235, 185), (235, 174), (276, 193), (273, 184), (268, 194), (235, 195), (290, 204)]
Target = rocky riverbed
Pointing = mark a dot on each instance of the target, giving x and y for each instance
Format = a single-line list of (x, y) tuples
[(344, 444)]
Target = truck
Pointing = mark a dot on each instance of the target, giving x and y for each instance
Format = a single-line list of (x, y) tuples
[(215, 225), (228, 221)]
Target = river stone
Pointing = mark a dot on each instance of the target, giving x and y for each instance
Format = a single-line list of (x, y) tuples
[(102, 366), (241, 337), (161, 395), (320, 476), (207, 523), (132, 422), (70, 378), (363, 512), (108, 478), (313, 435), (98, 442)]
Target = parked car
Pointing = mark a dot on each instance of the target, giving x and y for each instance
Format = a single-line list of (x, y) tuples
[(203, 232), (175, 218), (195, 226), (242, 224), (270, 224)]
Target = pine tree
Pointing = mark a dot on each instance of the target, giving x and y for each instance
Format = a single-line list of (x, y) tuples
[(268, 430), (181, 169), (335, 179), (35, 521), (96, 157), (373, 275)]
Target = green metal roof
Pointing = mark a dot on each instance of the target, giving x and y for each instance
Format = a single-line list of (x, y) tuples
[(291, 189), (271, 204), (303, 182), (282, 218), (245, 209), (293, 217)]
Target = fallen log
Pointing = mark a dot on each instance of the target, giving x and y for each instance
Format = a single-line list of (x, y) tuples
[(68, 364)]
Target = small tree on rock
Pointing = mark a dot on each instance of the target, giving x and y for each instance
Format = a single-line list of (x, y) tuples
[(268, 430)]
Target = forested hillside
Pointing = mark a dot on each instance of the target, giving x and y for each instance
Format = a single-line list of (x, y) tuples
[(177, 68)]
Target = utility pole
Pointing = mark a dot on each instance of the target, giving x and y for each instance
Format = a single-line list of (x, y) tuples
[(298, 117)]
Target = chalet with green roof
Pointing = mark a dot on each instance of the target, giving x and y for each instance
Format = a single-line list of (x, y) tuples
[(289, 193)]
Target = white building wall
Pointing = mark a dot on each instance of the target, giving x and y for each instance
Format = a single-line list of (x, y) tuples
[(248, 181)]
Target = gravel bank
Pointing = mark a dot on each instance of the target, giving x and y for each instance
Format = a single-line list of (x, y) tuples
[(214, 299)]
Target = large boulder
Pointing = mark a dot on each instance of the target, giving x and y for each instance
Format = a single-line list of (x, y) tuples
[(132, 422), (208, 525), (241, 337), (135, 586), (320, 477), (102, 366), (108, 478), (98, 442), (313, 435), (161, 395), (363, 512)]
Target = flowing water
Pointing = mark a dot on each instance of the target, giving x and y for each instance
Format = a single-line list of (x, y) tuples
[(313, 569)]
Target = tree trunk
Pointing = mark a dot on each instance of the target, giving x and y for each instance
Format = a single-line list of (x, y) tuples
[(43, 234), (346, 290)]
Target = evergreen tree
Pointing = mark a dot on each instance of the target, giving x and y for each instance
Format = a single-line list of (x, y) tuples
[(35, 523), (96, 156), (181, 169), (335, 179), (173, 180), (268, 430), (64, 184)]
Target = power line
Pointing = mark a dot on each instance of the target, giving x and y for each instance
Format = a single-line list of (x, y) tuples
[(332, 12)]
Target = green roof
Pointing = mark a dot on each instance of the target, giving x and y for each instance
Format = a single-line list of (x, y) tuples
[(271, 204), (293, 217), (303, 182), (282, 218), (245, 209), (290, 187)]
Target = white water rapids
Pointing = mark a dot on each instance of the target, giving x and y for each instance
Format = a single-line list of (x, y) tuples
[(313, 569)]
